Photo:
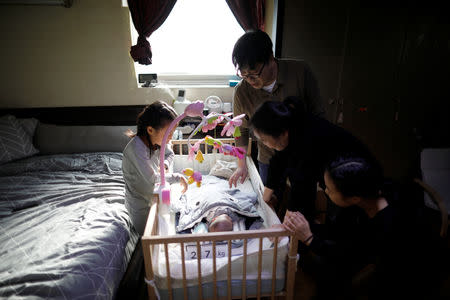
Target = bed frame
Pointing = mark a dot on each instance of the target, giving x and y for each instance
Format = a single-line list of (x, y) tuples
[(151, 238)]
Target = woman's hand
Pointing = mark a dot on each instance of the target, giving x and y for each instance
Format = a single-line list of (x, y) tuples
[(184, 183), (297, 224), (240, 173)]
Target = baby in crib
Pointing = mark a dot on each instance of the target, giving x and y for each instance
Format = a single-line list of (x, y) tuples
[(222, 222), (215, 207)]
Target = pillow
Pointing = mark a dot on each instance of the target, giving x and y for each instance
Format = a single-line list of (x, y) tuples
[(29, 125), (15, 143), (56, 139), (223, 168)]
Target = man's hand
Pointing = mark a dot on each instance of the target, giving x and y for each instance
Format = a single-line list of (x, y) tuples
[(184, 183), (240, 173)]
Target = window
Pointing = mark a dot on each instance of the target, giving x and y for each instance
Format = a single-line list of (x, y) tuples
[(194, 45)]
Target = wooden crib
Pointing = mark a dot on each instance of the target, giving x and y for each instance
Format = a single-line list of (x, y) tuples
[(151, 239)]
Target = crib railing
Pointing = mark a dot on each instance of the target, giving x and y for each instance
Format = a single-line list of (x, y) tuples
[(149, 240), (177, 146)]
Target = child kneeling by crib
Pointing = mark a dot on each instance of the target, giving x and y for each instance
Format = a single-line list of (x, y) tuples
[(140, 164)]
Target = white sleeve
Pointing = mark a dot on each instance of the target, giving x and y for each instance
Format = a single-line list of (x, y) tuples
[(169, 157)]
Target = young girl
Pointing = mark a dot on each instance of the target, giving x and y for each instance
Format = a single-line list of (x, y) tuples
[(140, 163)]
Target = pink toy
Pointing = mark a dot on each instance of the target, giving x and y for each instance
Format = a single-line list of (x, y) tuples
[(231, 128), (195, 109), (238, 152), (193, 149)]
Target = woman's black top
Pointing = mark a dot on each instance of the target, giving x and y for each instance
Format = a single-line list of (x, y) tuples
[(312, 144), (409, 257)]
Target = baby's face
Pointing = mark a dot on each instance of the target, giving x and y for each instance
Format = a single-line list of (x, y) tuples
[(221, 223)]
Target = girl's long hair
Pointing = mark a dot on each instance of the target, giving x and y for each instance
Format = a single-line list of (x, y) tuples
[(157, 115)]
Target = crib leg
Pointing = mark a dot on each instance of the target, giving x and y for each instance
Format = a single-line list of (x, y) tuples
[(292, 266)]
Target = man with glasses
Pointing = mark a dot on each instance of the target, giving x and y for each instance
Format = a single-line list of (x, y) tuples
[(266, 78)]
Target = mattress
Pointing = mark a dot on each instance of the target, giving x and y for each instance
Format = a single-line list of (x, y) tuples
[(166, 227), (64, 229)]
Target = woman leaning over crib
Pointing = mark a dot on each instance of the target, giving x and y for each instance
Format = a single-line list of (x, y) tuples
[(378, 230), (303, 144), (140, 163)]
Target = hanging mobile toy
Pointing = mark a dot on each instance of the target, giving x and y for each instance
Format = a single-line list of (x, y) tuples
[(209, 122)]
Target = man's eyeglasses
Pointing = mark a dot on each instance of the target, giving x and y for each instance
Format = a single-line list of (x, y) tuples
[(251, 76)]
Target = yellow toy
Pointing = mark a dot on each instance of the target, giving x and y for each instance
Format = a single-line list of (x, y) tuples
[(193, 176)]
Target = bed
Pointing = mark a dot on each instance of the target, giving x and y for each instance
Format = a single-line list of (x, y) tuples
[(197, 266), (64, 229)]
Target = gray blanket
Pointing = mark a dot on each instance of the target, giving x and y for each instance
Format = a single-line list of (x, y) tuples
[(64, 229), (215, 194)]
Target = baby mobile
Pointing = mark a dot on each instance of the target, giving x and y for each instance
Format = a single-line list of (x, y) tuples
[(208, 122)]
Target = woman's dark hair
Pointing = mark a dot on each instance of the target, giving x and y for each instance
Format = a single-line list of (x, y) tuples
[(354, 175), (254, 46), (157, 115), (275, 117)]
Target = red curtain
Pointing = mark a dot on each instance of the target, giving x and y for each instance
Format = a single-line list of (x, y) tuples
[(147, 16), (248, 13)]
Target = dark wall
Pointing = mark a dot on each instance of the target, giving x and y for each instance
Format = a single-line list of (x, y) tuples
[(385, 66)]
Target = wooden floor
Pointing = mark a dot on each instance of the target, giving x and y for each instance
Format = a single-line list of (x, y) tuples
[(305, 286)]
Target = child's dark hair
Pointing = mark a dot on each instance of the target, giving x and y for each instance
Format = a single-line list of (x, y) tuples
[(275, 117), (157, 115), (355, 175), (255, 46)]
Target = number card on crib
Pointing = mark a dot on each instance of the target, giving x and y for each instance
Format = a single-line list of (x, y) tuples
[(206, 249)]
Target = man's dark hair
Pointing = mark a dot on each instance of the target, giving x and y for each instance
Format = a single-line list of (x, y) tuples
[(255, 46)]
